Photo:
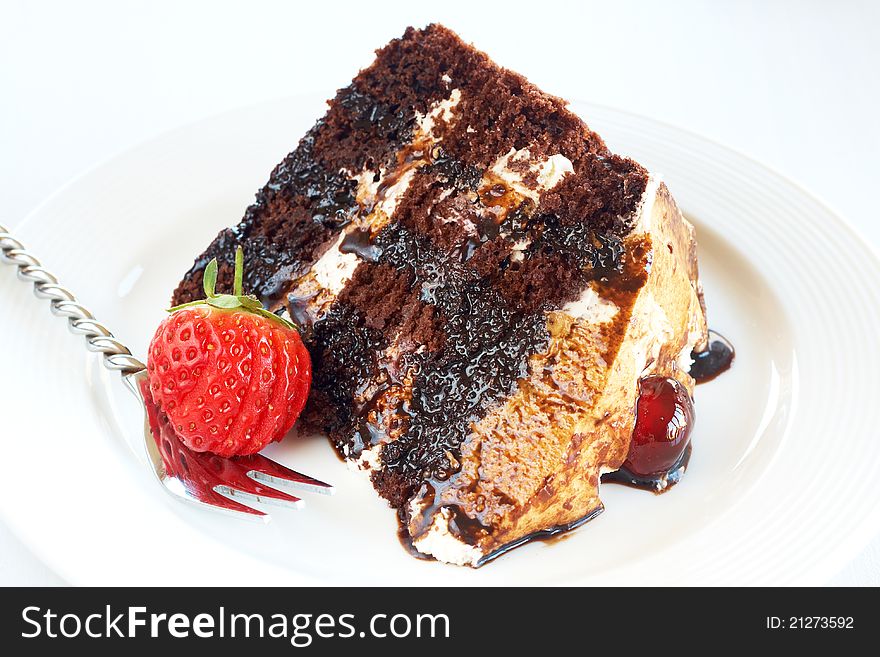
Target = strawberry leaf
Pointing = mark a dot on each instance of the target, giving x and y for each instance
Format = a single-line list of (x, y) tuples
[(238, 299), (250, 303), (209, 279), (224, 301)]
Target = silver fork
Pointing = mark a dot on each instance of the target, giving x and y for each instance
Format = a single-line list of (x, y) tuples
[(230, 485)]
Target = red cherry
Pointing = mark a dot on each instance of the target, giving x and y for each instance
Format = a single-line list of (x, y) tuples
[(664, 418)]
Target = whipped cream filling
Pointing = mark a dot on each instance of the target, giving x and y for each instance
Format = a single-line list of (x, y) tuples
[(684, 360), (517, 254), (369, 459), (367, 184), (657, 332), (517, 165), (334, 269), (645, 210), (441, 110), (591, 308), (381, 197), (441, 543)]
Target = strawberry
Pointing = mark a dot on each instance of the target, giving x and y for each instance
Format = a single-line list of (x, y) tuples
[(231, 376)]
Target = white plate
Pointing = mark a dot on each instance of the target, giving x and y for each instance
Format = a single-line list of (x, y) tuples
[(782, 483)]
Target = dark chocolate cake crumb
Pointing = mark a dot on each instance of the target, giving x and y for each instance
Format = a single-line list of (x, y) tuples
[(343, 359)]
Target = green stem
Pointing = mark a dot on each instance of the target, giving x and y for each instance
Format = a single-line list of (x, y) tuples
[(238, 288)]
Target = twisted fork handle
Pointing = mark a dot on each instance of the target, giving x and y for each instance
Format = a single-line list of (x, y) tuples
[(63, 303)]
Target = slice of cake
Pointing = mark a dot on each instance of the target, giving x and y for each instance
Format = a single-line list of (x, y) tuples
[(482, 285)]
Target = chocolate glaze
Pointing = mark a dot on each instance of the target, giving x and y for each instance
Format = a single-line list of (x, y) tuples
[(298, 309), (342, 352), (370, 114), (359, 243), (551, 534), (330, 194), (714, 360), (452, 172), (302, 193)]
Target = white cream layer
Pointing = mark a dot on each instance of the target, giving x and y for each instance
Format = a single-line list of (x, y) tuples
[(548, 172), (442, 544)]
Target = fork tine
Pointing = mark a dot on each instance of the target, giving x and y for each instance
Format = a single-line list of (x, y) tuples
[(264, 469), (220, 502), (292, 484), (233, 474), (233, 481), (201, 472), (209, 498), (238, 483), (264, 496)]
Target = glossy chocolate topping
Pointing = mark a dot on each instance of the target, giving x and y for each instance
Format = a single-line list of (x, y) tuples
[(714, 360)]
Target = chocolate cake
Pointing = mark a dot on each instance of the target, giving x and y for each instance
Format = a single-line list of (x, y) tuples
[(481, 284)]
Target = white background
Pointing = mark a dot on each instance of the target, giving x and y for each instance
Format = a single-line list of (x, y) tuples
[(795, 85)]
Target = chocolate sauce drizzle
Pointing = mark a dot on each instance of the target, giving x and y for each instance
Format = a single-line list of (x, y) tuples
[(550, 534), (714, 360), (394, 123), (359, 243), (658, 483), (553, 533)]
